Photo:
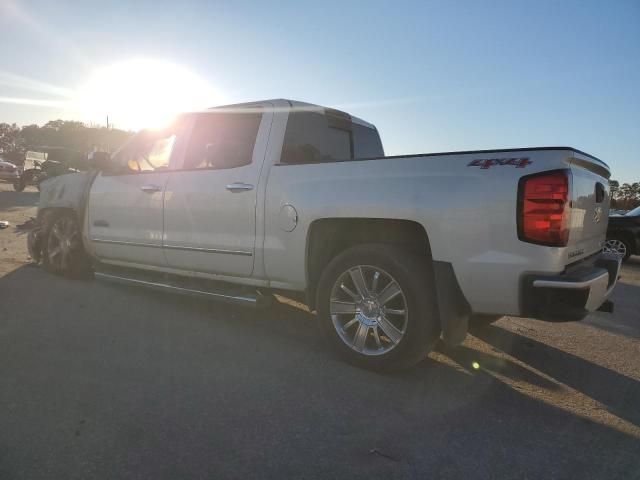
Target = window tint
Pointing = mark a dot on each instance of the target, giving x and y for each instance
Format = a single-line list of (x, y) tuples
[(313, 137), (366, 142), (309, 138), (222, 140)]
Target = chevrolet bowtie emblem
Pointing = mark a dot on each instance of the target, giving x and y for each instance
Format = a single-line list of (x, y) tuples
[(597, 214)]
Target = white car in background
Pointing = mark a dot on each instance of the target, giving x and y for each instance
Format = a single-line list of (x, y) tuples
[(8, 172)]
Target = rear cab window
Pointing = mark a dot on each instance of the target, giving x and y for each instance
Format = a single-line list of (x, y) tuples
[(313, 137)]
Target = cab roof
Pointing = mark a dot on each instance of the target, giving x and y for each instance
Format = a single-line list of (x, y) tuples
[(293, 105)]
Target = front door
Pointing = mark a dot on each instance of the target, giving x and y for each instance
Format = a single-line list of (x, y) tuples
[(125, 219), (210, 202)]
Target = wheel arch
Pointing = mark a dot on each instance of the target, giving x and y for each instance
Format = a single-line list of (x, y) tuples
[(45, 214), (327, 237)]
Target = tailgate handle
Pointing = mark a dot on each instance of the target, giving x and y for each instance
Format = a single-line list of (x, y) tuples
[(599, 192)]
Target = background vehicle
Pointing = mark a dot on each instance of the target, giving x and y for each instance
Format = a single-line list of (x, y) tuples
[(623, 234), (47, 162), (392, 252), (8, 171)]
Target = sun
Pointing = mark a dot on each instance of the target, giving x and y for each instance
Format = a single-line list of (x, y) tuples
[(142, 93)]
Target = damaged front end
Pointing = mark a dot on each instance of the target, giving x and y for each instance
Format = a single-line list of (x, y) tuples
[(34, 240), (66, 192)]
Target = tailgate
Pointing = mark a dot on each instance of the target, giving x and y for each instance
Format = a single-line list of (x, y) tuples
[(589, 206)]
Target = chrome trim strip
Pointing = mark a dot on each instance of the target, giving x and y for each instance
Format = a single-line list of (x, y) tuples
[(120, 242), (172, 247), (598, 291), (208, 250), (254, 301), (571, 285)]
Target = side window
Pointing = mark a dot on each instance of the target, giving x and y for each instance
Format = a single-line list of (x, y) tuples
[(147, 151), (154, 156), (366, 142), (312, 137), (222, 140)]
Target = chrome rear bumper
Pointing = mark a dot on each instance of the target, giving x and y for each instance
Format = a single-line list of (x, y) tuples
[(573, 294)]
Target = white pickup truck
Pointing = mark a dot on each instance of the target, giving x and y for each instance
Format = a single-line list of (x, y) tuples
[(392, 252)]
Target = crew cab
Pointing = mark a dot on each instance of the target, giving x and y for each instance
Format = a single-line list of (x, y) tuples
[(393, 252)]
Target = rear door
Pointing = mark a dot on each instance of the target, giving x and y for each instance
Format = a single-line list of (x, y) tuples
[(125, 217), (210, 201)]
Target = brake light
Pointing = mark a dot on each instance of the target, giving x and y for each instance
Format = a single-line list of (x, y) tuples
[(544, 208)]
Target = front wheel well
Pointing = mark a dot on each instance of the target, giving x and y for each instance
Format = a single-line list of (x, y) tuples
[(45, 218), (330, 236), (46, 214)]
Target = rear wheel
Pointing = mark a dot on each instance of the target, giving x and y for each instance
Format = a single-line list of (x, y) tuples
[(63, 252), (377, 307), (618, 246)]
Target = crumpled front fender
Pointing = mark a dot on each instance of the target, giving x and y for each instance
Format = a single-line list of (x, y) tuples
[(65, 191)]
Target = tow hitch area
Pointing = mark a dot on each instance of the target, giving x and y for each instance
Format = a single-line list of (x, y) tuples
[(607, 307)]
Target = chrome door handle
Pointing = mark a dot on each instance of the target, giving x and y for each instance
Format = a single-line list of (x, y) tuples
[(239, 187), (150, 188)]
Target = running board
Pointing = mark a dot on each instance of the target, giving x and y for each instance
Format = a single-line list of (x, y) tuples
[(246, 298)]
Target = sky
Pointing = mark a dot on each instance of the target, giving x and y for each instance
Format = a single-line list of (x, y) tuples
[(431, 75)]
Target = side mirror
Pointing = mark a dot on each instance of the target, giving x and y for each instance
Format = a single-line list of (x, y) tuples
[(100, 161)]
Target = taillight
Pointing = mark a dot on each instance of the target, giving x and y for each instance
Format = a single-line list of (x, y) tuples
[(544, 208)]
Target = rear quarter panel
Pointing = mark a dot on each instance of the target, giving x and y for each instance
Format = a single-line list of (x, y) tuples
[(468, 212)]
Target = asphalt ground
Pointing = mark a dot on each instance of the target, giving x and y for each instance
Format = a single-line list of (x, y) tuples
[(110, 382)]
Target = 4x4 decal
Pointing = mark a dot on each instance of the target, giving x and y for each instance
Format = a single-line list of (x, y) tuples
[(490, 162)]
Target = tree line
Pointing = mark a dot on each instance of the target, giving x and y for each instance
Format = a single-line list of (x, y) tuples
[(15, 141), (625, 196)]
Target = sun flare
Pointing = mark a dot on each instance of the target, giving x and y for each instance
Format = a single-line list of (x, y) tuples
[(139, 94)]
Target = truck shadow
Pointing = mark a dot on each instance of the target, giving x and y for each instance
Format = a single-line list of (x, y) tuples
[(617, 392), (275, 369), (625, 320)]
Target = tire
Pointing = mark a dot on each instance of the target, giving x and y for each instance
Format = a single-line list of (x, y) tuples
[(392, 340), (480, 321), (62, 249), (19, 186), (618, 246)]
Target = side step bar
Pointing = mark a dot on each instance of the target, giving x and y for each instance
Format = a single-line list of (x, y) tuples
[(249, 299)]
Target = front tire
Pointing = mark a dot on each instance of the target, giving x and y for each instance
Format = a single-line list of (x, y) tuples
[(377, 306), (63, 253)]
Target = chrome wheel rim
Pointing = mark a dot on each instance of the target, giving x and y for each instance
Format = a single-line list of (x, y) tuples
[(63, 239), (616, 247), (369, 310)]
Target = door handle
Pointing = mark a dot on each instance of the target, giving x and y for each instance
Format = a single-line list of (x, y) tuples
[(239, 187), (150, 188)]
